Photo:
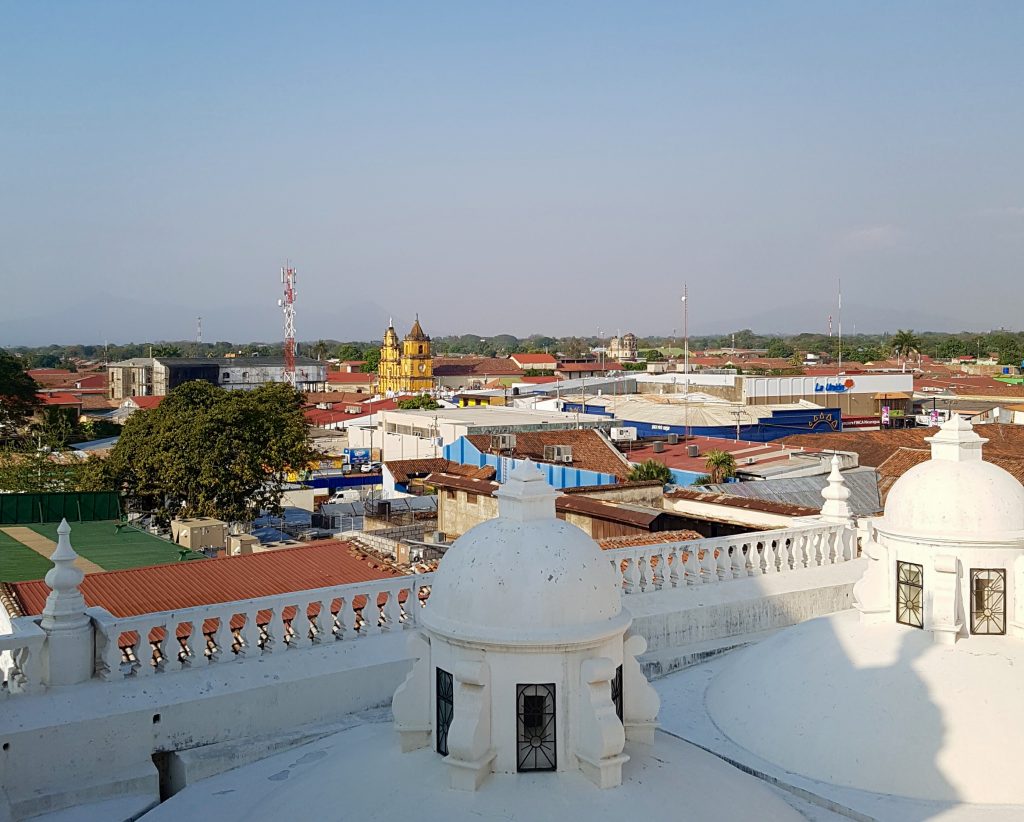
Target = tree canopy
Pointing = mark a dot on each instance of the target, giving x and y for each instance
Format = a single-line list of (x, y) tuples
[(720, 465), (422, 402), (209, 452), (17, 393), (651, 470)]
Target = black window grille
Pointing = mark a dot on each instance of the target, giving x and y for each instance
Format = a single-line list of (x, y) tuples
[(910, 594), (988, 601), (535, 726), (617, 692), (445, 709)]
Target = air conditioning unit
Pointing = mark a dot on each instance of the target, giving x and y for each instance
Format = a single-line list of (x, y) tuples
[(623, 434), (659, 447), (503, 442), (750, 460), (558, 453), (673, 439), (692, 451)]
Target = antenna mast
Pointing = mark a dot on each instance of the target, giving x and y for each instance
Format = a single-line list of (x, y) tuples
[(199, 335), (288, 307)]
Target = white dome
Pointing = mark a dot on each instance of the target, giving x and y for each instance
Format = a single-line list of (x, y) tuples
[(955, 492), (955, 497), (525, 577)]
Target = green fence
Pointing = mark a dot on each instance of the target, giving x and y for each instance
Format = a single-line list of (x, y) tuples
[(87, 506)]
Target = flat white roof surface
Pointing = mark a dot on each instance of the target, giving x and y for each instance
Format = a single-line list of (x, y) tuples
[(483, 415), (360, 774)]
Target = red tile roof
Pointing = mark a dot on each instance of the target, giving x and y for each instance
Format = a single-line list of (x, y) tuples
[(526, 360), (675, 456), (475, 367), (58, 398), (350, 378), (589, 367), (147, 402), (208, 581), (637, 540), (590, 451), (345, 397), (404, 470)]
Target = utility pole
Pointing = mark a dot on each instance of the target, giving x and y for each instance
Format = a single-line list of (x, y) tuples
[(686, 364), (287, 304)]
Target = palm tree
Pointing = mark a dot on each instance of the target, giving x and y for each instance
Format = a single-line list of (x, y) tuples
[(319, 349), (651, 470), (904, 343), (720, 465)]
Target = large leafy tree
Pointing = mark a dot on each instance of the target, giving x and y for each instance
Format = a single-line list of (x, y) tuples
[(651, 470), (422, 402), (17, 393), (720, 465), (209, 452)]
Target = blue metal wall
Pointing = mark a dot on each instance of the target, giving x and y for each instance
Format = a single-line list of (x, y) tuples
[(464, 452), (779, 424)]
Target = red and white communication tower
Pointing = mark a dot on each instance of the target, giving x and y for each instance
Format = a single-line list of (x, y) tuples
[(288, 306)]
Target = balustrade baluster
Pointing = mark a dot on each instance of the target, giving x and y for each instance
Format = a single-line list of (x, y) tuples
[(709, 566), (392, 612), (325, 622), (737, 560), (151, 650), (692, 566), (771, 556), (272, 631), (677, 574), (345, 618), (643, 568), (722, 563), (222, 639), (249, 633), (631, 576), (108, 655), (300, 625), (662, 571)]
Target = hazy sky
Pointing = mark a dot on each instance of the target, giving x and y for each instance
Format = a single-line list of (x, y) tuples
[(517, 167)]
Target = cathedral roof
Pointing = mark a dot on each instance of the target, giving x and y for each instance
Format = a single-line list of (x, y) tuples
[(416, 333)]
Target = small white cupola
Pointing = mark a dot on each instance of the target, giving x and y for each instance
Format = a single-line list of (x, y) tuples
[(948, 554), (524, 662)]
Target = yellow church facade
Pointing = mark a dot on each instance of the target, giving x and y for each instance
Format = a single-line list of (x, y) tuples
[(406, 367)]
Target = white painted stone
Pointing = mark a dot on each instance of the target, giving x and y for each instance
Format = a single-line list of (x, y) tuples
[(67, 657), (527, 599)]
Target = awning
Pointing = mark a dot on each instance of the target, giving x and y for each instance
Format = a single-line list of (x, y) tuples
[(896, 395)]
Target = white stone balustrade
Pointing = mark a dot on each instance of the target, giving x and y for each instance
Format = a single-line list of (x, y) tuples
[(697, 562), (21, 657), (153, 644)]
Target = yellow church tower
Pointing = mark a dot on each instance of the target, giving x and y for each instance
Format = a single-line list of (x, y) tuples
[(417, 362), (389, 371)]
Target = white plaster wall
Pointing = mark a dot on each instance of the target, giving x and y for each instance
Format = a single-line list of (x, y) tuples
[(53, 739)]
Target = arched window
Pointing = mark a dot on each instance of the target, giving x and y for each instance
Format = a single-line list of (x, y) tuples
[(988, 601), (535, 728), (445, 709), (910, 594)]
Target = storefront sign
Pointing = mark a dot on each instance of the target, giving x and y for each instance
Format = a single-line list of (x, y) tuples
[(885, 415), (836, 386)]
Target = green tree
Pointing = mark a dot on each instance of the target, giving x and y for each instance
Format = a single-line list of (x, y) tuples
[(348, 351), (166, 350), (702, 479), (33, 469), (651, 470), (904, 343), (720, 466), (209, 452), (422, 402), (779, 348), (17, 394), (318, 350), (372, 357)]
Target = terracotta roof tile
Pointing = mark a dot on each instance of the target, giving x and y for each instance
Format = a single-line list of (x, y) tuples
[(404, 470), (475, 367), (590, 451), (751, 504), (636, 540), (207, 581)]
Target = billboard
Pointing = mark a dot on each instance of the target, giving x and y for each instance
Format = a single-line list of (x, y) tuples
[(357, 456)]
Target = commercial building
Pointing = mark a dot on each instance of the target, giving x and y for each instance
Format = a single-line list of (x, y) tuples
[(157, 376)]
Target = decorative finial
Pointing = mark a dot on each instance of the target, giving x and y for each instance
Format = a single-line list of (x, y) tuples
[(65, 600), (836, 495), (526, 495), (957, 441)]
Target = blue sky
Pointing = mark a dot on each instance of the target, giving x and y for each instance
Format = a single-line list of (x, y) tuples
[(518, 167)]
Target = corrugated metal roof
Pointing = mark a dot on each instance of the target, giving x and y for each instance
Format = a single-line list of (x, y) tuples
[(806, 491)]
